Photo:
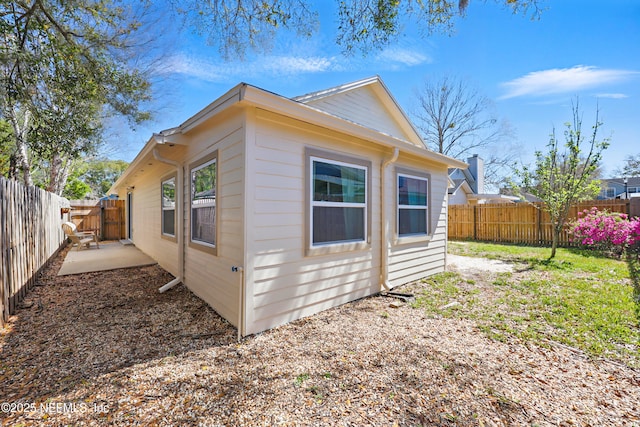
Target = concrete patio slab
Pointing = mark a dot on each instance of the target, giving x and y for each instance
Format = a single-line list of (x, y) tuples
[(109, 256)]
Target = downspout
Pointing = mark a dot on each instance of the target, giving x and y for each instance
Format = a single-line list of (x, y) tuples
[(179, 214), (384, 246), (240, 305)]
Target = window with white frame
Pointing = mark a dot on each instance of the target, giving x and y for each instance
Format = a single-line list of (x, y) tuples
[(204, 177), (338, 199), (168, 218), (413, 205)]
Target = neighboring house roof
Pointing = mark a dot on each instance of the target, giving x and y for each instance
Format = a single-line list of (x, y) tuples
[(460, 175), (398, 133), (464, 181), (460, 184), (619, 182), (463, 185)]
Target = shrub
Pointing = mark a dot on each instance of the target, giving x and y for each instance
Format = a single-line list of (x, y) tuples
[(610, 232)]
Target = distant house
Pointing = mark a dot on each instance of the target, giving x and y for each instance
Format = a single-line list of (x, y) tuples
[(617, 188), (272, 208), (467, 185)]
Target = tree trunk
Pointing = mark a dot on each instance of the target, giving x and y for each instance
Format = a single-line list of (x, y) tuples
[(557, 229), (554, 243), (20, 132), (58, 174)]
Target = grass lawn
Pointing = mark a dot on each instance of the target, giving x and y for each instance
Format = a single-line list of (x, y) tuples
[(578, 299)]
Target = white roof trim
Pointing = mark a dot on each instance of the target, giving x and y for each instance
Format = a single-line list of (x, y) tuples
[(286, 106), (335, 90), (377, 84), (244, 94)]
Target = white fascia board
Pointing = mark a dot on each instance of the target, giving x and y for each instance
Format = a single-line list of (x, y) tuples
[(146, 151), (334, 90), (167, 136), (222, 103), (279, 104), (400, 116)]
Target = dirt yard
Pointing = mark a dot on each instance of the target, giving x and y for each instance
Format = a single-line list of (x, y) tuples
[(108, 349)]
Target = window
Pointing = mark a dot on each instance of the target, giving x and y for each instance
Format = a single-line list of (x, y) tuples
[(632, 190), (169, 207), (204, 177), (338, 210), (413, 206)]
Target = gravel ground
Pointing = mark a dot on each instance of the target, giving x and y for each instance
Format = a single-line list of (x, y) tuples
[(108, 349)]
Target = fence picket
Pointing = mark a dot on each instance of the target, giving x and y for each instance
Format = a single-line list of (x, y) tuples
[(30, 220), (522, 223)]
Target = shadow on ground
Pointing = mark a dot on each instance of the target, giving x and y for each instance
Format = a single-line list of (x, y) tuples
[(73, 329)]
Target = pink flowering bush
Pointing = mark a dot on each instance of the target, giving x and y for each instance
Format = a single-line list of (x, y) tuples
[(607, 231)]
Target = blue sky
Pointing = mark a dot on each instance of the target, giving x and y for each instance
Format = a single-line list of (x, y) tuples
[(530, 69)]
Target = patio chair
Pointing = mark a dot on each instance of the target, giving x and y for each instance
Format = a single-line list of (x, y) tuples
[(79, 238)]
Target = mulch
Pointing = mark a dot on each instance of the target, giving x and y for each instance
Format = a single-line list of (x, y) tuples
[(108, 349)]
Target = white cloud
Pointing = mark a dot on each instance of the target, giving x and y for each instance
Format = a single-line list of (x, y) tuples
[(399, 55), (612, 95), (211, 71), (294, 65), (563, 80), (217, 71)]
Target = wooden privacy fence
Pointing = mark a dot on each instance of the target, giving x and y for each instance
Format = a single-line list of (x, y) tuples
[(31, 233), (104, 216), (522, 223)]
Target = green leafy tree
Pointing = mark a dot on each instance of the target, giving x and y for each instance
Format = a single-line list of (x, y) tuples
[(100, 174), (363, 25), (6, 148), (63, 66), (561, 178), (76, 189)]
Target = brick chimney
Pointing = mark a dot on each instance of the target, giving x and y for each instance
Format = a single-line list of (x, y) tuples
[(476, 168)]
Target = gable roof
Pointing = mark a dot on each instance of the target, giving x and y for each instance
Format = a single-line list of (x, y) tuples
[(367, 102), (245, 95), (458, 174), (633, 181)]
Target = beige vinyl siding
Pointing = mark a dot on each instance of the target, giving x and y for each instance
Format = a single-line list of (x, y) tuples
[(361, 106), (415, 260), (283, 284), (147, 234), (210, 276)]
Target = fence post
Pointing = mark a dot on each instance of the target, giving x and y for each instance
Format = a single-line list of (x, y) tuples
[(539, 225), (633, 207), (475, 222)]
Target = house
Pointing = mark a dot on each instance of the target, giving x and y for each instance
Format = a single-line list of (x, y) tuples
[(271, 209), (467, 185), (620, 188)]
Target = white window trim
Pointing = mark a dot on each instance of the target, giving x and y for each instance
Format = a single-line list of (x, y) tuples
[(411, 207), (339, 247), (364, 206), (201, 164), (410, 239), (163, 208)]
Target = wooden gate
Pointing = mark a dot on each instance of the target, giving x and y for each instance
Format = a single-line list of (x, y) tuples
[(106, 217), (113, 223)]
